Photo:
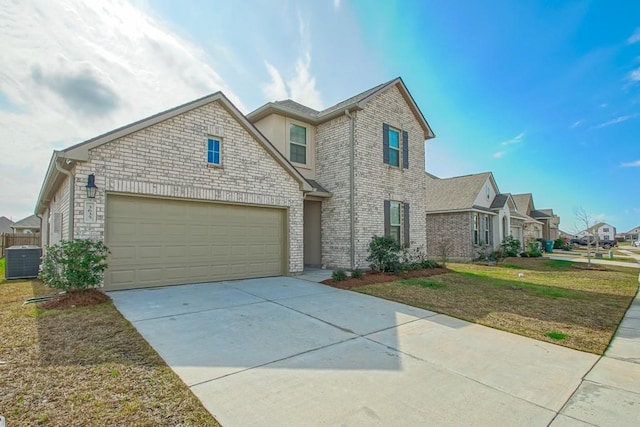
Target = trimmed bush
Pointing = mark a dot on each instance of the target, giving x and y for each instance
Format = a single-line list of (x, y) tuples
[(74, 265), (510, 246), (339, 275), (384, 254), (357, 273)]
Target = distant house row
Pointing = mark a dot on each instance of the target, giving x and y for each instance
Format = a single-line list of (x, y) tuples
[(467, 212), (28, 225)]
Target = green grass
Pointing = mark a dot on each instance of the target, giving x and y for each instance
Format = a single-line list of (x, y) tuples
[(529, 297), (84, 366), (556, 335), (1, 270)]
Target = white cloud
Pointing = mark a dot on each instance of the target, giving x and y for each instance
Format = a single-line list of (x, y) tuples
[(635, 75), (635, 164), (74, 69), (276, 89), (336, 4), (515, 140), (499, 154), (577, 123), (614, 121), (635, 37), (301, 85)]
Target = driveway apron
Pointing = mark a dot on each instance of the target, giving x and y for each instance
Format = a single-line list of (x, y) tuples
[(287, 352)]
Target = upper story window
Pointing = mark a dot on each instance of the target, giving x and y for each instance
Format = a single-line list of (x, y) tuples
[(297, 144), (605, 230), (395, 147), (213, 151)]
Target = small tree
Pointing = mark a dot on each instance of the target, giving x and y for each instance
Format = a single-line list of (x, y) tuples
[(444, 249), (591, 236), (384, 254), (74, 265)]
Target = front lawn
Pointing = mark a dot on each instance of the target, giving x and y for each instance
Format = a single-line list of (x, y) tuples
[(83, 366), (539, 298)]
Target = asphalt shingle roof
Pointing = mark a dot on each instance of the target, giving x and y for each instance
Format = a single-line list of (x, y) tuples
[(455, 193), (5, 225), (32, 221)]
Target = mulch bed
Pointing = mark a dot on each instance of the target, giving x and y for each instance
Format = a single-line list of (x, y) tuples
[(76, 299), (585, 267), (373, 277)]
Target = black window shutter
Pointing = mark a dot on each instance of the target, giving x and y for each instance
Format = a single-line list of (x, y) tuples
[(407, 241), (405, 149), (385, 143), (387, 217)]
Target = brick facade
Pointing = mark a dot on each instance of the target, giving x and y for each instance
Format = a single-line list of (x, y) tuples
[(375, 181), (455, 227), (168, 159)]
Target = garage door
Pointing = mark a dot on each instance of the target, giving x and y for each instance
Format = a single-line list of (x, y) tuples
[(155, 242)]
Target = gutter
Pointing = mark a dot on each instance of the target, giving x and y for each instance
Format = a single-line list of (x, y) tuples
[(71, 195), (352, 218)]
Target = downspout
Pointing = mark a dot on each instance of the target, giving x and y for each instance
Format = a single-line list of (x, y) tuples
[(71, 196), (352, 217)]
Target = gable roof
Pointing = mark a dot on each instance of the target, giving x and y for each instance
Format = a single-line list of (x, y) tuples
[(523, 201), (80, 152), (32, 221), (455, 194), (500, 200), (633, 230), (298, 111), (5, 224)]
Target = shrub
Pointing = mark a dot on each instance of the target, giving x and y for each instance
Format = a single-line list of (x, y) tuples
[(74, 265), (384, 254), (534, 248), (510, 246), (497, 255), (482, 252), (444, 249), (427, 263), (357, 273), (559, 243), (339, 275)]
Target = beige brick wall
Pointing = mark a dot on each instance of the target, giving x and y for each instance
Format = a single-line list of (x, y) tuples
[(332, 169), (376, 181), (454, 226), (169, 160)]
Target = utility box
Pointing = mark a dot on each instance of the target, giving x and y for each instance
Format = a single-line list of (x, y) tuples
[(22, 262)]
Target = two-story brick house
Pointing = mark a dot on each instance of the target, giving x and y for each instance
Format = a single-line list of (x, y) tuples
[(201, 193), (366, 158)]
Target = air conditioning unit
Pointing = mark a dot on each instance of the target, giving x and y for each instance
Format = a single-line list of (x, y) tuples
[(22, 262)]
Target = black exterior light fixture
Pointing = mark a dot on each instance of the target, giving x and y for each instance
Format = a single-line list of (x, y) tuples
[(91, 186)]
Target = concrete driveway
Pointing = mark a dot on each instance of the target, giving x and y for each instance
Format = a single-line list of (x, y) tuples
[(288, 352)]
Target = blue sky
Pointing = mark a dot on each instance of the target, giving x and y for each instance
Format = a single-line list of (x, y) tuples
[(546, 95)]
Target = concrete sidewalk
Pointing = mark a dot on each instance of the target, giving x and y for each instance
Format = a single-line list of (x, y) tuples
[(610, 393), (597, 261), (289, 352)]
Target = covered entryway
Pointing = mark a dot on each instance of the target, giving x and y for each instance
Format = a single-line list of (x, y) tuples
[(312, 233), (155, 242)]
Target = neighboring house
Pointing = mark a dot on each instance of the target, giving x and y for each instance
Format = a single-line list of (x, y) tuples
[(5, 225), (201, 193), (28, 225), (564, 235), (602, 230), (632, 235), (542, 223), (465, 213), (365, 157)]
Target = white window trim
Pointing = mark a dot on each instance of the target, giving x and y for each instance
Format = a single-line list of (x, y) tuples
[(206, 147), (305, 145), (399, 149), (401, 219)]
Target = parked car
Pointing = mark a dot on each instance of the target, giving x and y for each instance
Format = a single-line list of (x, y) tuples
[(607, 244), (581, 242), (636, 243)]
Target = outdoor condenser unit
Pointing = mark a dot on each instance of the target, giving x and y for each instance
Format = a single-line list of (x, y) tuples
[(22, 262)]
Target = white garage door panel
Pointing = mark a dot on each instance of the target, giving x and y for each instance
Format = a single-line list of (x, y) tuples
[(155, 242)]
